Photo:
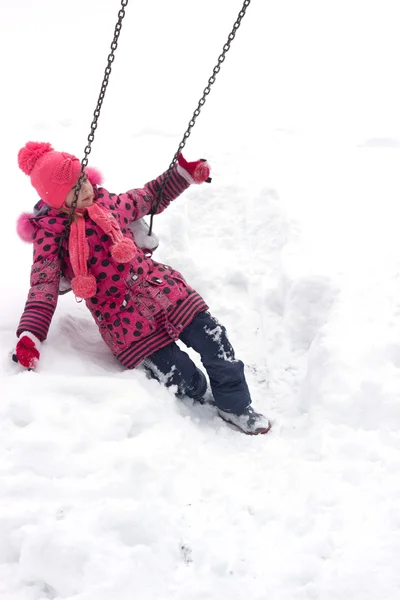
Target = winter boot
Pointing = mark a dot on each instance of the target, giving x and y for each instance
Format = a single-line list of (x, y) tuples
[(197, 387), (249, 421)]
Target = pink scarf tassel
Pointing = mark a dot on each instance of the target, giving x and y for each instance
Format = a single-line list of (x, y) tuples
[(122, 250)]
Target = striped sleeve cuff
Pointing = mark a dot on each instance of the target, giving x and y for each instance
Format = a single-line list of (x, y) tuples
[(36, 318)]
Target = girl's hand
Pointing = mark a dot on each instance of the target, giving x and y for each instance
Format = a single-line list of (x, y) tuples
[(27, 350), (194, 172)]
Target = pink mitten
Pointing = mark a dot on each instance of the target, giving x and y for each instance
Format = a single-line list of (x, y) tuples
[(194, 172), (27, 350)]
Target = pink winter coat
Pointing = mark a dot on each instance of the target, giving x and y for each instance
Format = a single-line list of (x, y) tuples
[(139, 306)]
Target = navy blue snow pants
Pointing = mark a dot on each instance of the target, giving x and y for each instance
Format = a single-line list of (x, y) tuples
[(171, 366)]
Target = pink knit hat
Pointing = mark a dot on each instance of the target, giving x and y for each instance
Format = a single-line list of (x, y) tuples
[(53, 174)]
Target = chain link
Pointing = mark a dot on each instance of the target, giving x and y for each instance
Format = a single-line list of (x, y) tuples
[(93, 126), (202, 101)]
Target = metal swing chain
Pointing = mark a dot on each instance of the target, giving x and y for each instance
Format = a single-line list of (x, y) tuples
[(93, 126), (196, 113)]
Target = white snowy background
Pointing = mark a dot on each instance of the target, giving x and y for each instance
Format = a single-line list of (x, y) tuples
[(111, 488)]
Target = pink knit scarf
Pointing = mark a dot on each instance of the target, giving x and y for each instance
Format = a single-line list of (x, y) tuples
[(122, 250)]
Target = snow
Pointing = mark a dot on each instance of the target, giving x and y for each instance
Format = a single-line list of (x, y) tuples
[(110, 487)]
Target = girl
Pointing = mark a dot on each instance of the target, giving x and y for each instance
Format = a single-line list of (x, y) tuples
[(141, 307)]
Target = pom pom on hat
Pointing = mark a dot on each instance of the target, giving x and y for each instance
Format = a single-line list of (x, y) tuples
[(30, 154), (94, 175)]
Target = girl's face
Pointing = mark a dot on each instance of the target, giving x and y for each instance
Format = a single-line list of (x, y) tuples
[(85, 197)]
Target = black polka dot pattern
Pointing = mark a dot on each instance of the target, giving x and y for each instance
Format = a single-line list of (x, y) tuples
[(122, 317)]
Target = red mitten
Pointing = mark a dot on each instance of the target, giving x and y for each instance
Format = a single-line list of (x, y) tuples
[(27, 350), (194, 172)]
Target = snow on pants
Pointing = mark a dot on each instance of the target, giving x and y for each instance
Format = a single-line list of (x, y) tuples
[(172, 366)]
